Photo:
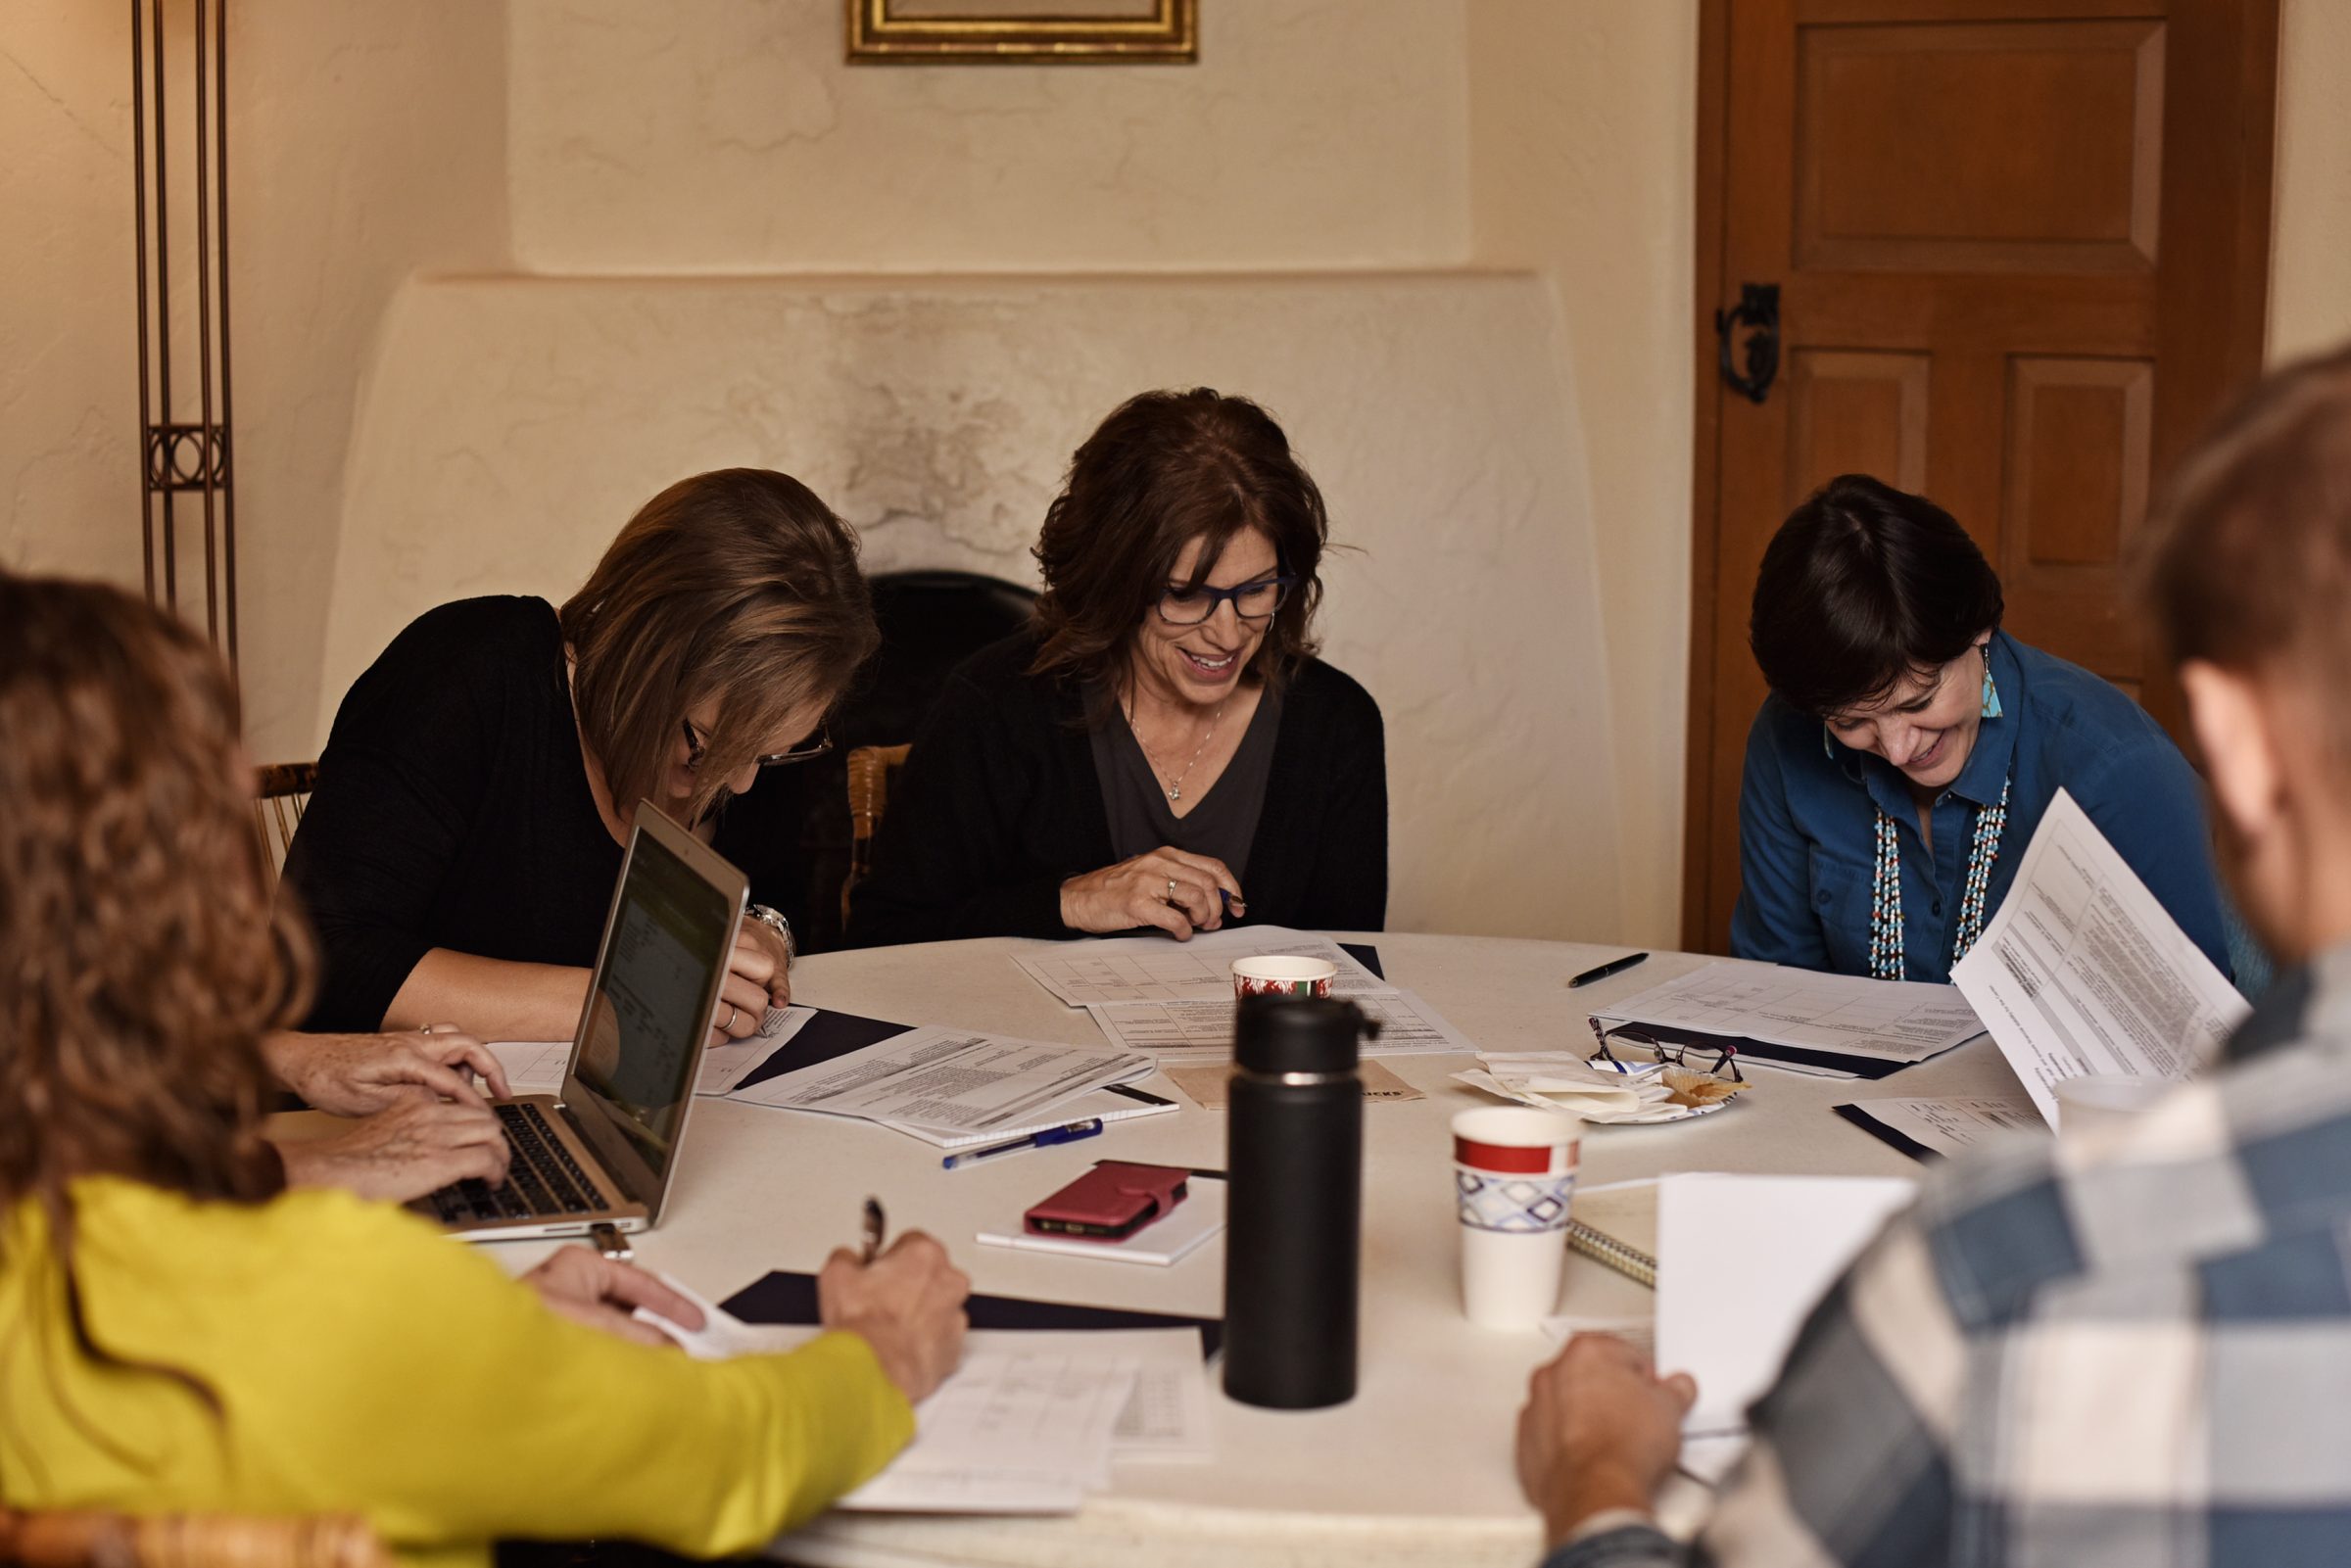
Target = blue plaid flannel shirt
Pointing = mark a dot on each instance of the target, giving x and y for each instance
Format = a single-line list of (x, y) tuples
[(2113, 1353)]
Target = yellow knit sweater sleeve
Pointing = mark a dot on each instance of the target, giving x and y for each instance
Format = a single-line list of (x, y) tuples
[(364, 1361)]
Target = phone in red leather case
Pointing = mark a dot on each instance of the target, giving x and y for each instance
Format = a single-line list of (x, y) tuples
[(1111, 1201)]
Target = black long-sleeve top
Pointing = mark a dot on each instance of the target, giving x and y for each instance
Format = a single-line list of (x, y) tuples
[(453, 810), (1000, 804)]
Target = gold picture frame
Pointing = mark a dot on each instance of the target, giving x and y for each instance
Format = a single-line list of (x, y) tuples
[(1153, 31)]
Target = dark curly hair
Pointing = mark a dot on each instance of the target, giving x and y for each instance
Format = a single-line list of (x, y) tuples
[(1167, 468)]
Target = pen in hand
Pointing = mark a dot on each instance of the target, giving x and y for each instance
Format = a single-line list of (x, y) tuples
[(874, 1223)]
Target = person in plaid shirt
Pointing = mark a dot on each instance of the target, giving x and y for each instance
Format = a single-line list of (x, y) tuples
[(2132, 1348)]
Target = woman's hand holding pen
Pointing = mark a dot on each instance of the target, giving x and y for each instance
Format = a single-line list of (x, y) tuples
[(907, 1303)]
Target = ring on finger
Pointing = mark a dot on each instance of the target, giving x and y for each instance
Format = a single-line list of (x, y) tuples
[(733, 1012), (1171, 889)]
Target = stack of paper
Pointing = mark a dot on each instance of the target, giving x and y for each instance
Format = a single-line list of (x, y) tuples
[(1174, 999), (2083, 971), (1830, 1025), (1742, 1260), (536, 1066), (953, 1087), (1030, 1423)]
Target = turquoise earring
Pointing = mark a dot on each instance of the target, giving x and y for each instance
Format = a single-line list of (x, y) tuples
[(1992, 694)]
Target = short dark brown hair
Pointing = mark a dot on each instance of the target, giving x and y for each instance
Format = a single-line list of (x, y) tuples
[(1864, 585), (737, 584), (1167, 468), (2246, 561)]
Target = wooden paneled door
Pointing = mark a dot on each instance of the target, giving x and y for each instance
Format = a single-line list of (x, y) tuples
[(2020, 252)]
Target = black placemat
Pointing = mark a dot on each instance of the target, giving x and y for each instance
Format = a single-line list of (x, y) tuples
[(789, 1298)]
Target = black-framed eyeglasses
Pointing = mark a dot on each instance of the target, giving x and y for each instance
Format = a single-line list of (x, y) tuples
[(815, 745), (1251, 601), (1642, 1049)]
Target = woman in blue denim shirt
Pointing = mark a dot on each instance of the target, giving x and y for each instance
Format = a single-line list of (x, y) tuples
[(1909, 747)]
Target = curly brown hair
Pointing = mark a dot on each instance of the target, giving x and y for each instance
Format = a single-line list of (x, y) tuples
[(737, 584), (142, 955), (1165, 468)]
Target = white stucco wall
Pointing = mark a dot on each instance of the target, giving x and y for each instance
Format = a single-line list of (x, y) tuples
[(1584, 141), (728, 135), (365, 143)]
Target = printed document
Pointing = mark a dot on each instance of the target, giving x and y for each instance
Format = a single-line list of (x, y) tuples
[(724, 1065), (1030, 1421), (956, 1082), (1742, 1260), (1159, 969), (1202, 1030), (1945, 1126), (2082, 970), (536, 1066), (1844, 1015)]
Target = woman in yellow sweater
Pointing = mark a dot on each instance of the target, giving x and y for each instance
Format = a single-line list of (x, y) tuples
[(180, 1332)]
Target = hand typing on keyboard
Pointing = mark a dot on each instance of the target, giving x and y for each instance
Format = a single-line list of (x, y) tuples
[(404, 1153)]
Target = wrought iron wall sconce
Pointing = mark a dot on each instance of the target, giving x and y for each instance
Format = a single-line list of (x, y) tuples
[(1066, 31), (182, 458)]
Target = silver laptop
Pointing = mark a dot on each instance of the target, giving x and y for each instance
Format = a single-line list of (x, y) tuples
[(603, 1152)]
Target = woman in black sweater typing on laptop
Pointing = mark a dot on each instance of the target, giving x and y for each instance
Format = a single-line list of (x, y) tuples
[(459, 855), (1160, 748)]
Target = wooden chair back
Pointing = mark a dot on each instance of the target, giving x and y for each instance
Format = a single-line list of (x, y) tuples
[(74, 1540), (871, 771), (285, 789)]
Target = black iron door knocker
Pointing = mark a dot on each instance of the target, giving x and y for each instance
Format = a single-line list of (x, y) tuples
[(1758, 307)]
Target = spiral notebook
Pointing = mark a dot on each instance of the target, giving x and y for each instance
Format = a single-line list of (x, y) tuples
[(1615, 1224)]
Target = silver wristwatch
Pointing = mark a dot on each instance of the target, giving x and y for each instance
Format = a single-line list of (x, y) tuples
[(774, 921)]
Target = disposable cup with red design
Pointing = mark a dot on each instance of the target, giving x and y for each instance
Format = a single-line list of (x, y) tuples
[(1281, 975), (1513, 1175)]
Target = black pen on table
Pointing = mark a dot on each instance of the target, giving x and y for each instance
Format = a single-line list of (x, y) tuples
[(1613, 966), (872, 1228)]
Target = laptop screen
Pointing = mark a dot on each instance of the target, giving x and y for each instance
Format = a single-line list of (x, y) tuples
[(665, 946)]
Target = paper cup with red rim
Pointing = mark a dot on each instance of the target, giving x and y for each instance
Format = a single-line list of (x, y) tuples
[(1281, 975), (1513, 1175)]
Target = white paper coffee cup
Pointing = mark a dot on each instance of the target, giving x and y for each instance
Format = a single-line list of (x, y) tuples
[(1282, 974), (1514, 1173)]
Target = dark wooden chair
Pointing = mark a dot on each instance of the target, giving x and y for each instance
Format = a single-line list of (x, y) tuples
[(872, 770), (42, 1539), (277, 807)]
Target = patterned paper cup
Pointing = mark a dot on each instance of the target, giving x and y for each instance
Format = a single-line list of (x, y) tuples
[(1513, 1175), (1279, 974)]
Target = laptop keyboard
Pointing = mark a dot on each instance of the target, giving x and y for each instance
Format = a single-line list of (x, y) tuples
[(543, 1180)]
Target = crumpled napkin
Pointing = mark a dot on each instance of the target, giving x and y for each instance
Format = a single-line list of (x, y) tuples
[(1562, 1080)]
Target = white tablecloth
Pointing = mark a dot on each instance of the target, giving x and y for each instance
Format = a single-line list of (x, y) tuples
[(1417, 1468)]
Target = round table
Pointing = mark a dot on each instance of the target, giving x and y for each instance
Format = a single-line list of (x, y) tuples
[(1416, 1469)]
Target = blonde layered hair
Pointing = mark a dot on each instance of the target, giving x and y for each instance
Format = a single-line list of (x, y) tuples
[(736, 585)]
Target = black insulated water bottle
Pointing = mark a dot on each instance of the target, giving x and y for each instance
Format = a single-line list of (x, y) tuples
[(1293, 1237)]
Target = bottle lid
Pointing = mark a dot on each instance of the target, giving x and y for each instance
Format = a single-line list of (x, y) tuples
[(1298, 1034)]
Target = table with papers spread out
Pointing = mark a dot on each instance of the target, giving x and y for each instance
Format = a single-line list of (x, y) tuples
[(1417, 1468)]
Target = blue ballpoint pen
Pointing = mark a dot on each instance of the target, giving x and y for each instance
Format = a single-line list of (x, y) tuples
[(1036, 1140)]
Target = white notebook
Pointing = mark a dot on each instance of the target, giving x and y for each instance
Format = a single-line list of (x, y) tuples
[(1196, 1219)]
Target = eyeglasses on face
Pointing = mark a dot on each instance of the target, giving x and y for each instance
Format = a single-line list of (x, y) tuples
[(815, 745), (1251, 601), (1643, 1050)]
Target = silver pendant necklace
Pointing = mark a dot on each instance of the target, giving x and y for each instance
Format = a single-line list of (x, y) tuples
[(1175, 791)]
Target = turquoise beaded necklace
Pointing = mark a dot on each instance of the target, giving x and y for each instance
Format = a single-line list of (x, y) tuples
[(1887, 953)]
